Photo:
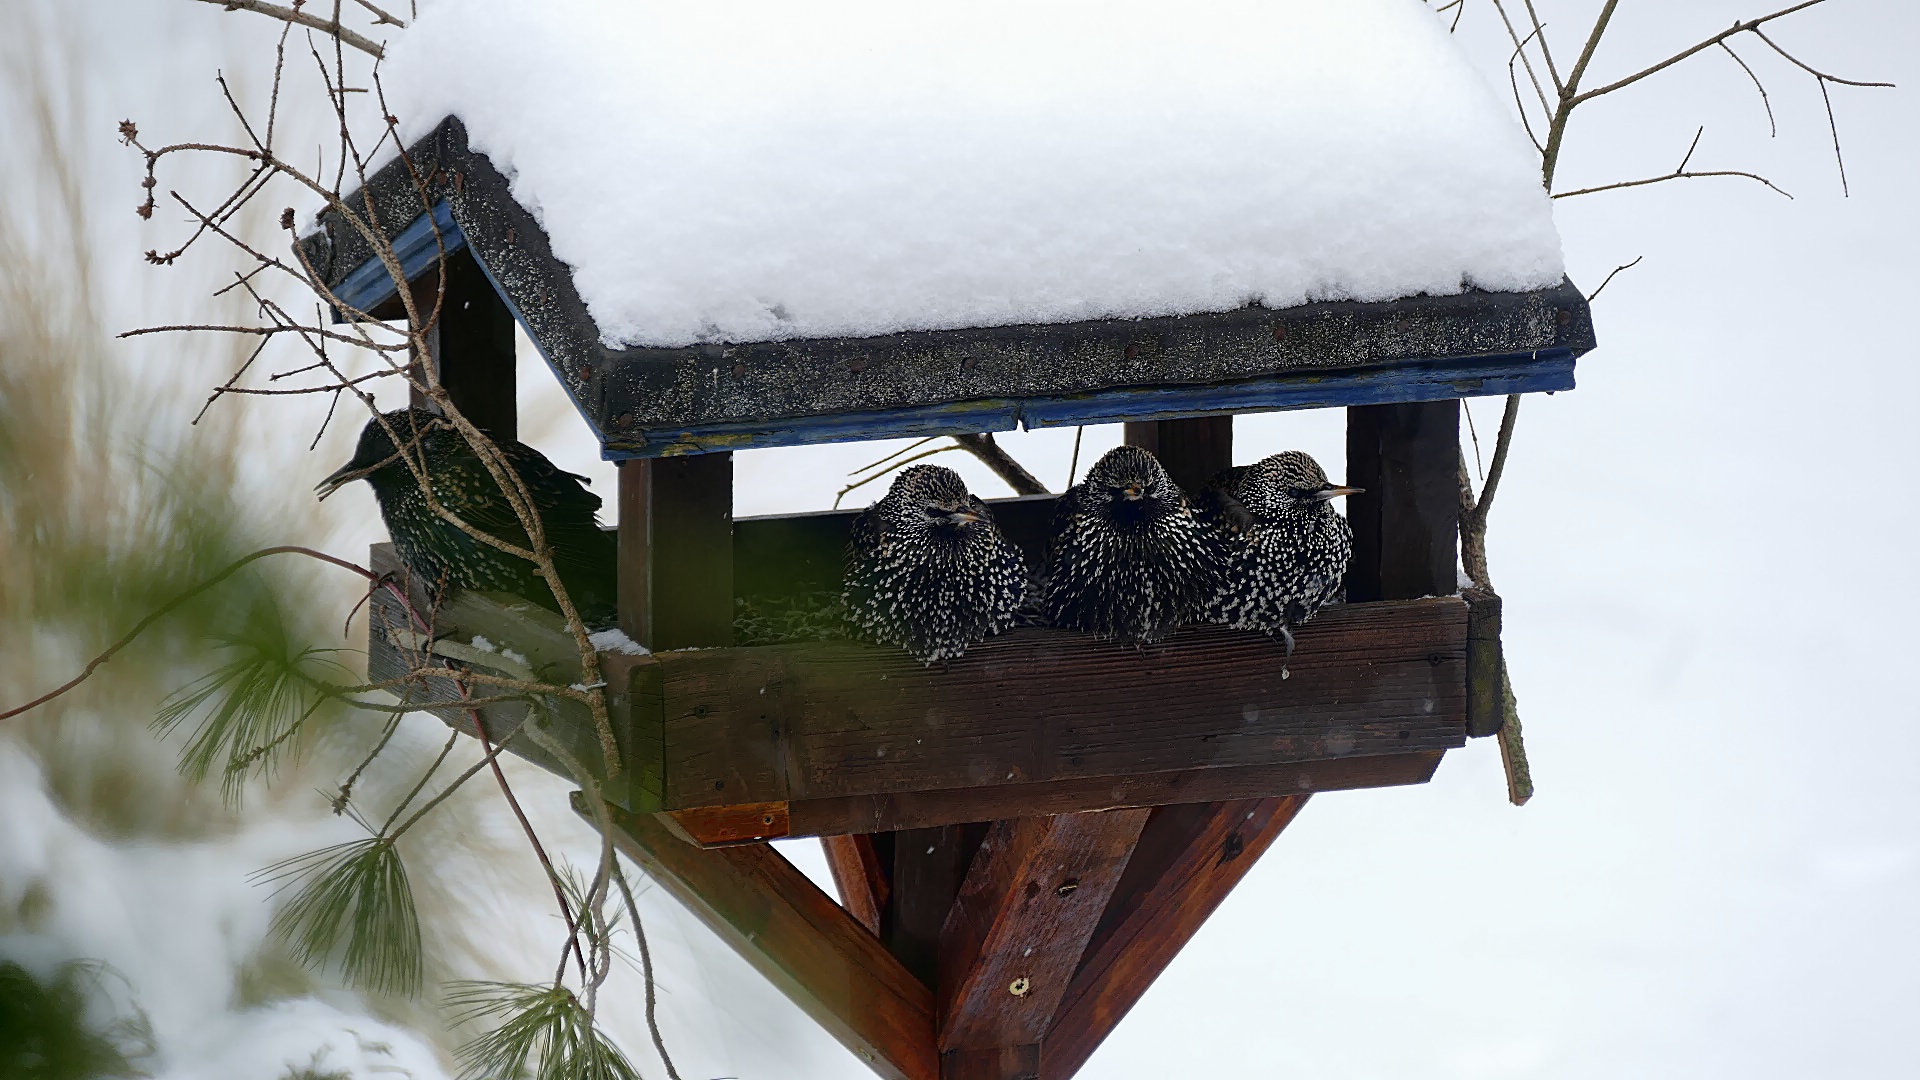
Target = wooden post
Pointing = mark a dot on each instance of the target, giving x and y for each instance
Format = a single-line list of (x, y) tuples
[(928, 866), (1192, 450), (676, 551), (1407, 523), (471, 345)]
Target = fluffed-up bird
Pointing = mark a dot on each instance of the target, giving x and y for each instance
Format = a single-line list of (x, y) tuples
[(1129, 560), (928, 570), (1286, 546), (442, 554)]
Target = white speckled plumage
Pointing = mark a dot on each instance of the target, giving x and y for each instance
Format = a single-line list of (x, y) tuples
[(1287, 548), (1129, 560), (928, 570)]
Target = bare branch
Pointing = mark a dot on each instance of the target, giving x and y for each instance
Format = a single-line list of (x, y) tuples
[(1002, 463), (330, 27), (1671, 176), (1595, 294), (1773, 129), (1732, 31)]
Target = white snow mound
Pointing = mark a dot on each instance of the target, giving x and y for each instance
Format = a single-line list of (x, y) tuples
[(743, 170)]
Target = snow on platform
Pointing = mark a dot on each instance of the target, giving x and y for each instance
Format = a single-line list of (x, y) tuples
[(735, 170)]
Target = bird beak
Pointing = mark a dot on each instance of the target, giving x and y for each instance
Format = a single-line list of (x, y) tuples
[(962, 517), (341, 477), (1132, 492), (1335, 492)]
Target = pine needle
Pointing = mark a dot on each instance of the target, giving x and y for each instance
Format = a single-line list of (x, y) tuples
[(544, 1023), (252, 708), (354, 910)]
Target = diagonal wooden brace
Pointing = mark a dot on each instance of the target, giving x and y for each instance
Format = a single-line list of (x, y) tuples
[(1030, 903)]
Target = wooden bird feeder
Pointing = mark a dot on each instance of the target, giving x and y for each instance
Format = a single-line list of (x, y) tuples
[(1024, 838)]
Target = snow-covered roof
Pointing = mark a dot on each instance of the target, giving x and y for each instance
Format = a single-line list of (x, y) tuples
[(743, 170)]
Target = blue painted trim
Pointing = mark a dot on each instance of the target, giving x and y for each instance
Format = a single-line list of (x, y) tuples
[(370, 284), (1527, 373)]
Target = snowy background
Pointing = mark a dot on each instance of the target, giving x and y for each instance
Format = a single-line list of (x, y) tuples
[(1707, 556)]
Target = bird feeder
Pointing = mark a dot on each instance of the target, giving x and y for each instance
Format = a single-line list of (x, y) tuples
[(1023, 838)]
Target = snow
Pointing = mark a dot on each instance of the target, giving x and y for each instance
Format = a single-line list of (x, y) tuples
[(740, 170), (613, 640)]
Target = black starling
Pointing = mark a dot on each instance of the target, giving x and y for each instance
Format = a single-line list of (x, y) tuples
[(442, 554), (928, 570), (1287, 547), (1129, 559)]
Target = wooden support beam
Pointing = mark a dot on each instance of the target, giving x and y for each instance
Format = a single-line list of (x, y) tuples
[(471, 344), (992, 1063), (928, 867), (1187, 861), (1030, 903), (676, 551), (1192, 450), (863, 884), (853, 817), (829, 965), (1406, 524)]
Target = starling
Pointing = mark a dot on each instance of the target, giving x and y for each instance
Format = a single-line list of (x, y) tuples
[(1287, 547), (928, 570), (1129, 559), (444, 555)]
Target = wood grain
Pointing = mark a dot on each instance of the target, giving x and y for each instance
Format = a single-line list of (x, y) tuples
[(1486, 706), (1187, 861), (676, 551), (862, 883), (1406, 523), (918, 809), (1030, 903), (797, 722), (829, 965), (928, 867)]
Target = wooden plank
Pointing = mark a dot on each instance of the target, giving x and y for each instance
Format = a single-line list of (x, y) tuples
[(829, 965), (857, 816), (1191, 450), (1030, 903), (857, 874), (1406, 523), (1187, 861), (676, 552), (844, 719)]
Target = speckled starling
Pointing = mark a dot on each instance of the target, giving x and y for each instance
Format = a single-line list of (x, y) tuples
[(1129, 559), (1287, 547), (441, 554), (928, 570)]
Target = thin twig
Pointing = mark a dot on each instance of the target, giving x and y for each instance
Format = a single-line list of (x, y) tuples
[(166, 609), (331, 28), (646, 972), (1773, 129), (1595, 294)]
